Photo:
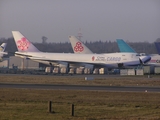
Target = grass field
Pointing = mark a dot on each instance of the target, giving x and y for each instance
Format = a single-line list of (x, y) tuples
[(80, 80), (29, 104)]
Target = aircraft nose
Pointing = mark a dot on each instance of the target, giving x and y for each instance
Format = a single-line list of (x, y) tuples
[(145, 59)]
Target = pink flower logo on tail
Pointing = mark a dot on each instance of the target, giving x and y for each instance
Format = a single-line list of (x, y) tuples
[(78, 47), (23, 44)]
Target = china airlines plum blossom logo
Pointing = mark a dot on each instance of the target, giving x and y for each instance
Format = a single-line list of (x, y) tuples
[(78, 47), (23, 44), (93, 58)]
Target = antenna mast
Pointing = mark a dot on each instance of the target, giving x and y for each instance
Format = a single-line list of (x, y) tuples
[(79, 34)]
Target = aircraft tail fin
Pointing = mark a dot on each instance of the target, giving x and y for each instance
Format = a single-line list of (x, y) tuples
[(78, 46), (23, 45), (157, 44), (2, 47), (124, 47)]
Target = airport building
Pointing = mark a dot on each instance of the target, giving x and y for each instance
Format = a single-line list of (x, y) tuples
[(18, 63)]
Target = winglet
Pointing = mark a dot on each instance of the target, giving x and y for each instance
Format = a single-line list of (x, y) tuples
[(124, 47), (78, 46), (23, 45)]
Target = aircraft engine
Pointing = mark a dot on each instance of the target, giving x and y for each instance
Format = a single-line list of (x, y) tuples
[(63, 65), (144, 59)]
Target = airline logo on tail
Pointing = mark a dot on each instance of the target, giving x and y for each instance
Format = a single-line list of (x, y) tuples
[(78, 47), (23, 44)]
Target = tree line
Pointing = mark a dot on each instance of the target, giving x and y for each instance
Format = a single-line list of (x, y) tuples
[(95, 47)]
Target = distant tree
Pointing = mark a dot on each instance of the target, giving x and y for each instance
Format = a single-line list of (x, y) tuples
[(95, 47), (3, 40), (11, 46), (157, 40)]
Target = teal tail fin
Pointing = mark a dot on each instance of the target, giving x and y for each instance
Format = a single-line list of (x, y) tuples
[(124, 47)]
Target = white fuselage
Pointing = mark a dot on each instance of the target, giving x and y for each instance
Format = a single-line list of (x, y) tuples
[(155, 60), (109, 60)]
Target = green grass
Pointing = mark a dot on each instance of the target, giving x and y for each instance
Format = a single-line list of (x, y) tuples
[(31, 104), (28, 104), (72, 80)]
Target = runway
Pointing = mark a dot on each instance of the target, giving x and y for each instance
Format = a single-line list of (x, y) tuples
[(81, 87)]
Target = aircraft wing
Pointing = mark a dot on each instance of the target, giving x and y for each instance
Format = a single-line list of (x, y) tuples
[(43, 58), (59, 61), (98, 62)]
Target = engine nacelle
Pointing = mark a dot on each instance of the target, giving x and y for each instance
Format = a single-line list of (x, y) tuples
[(144, 59), (63, 65)]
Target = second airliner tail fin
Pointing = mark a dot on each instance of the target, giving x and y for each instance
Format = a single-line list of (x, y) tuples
[(78, 46), (124, 47)]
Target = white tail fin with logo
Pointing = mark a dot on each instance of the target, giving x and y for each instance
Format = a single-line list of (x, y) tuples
[(78, 46), (22, 43)]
